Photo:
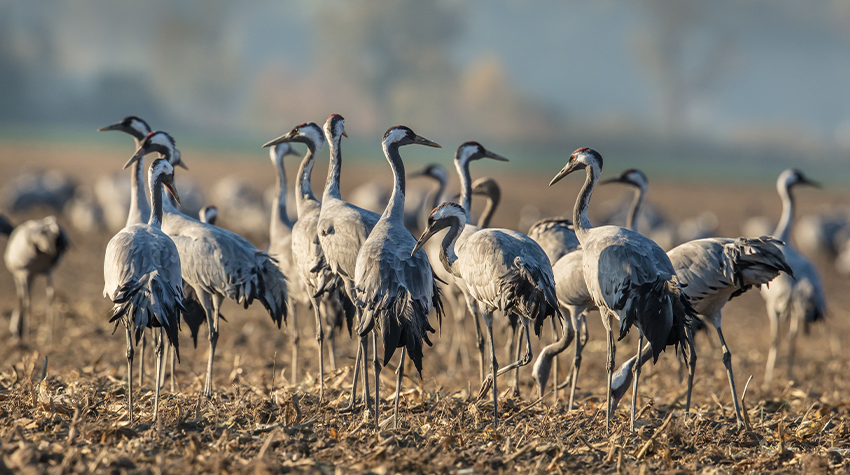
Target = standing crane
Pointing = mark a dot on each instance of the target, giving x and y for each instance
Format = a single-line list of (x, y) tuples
[(141, 271), (630, 277), (307, 254), (502, 270), (216, 262), (573, 295), (35, 247), (800, 298), (342, 229), (393, 284)]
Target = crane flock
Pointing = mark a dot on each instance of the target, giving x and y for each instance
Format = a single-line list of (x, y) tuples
[(368, 271)]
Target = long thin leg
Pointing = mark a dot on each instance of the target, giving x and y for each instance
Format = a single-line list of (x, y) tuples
[(460, 318), (516, 347), (16, 325), (606, 320), (400, 372), (161, 382), (692, 364), (364, 343), (294, 339), (494, 365), (555, 363), (472, 305), (636, 381), (159, 350), (320, 338), (774, 343), (130, 352), (576, 321), (352, 399), (51, 315), (377, 365), (142, 360), (212, 323), (792, 343), (172, 363), (727, 361)]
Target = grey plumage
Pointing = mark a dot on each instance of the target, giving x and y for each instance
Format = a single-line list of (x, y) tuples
[(555, 236), (141, 274), (35, 247), (800, 299), (394, 285)]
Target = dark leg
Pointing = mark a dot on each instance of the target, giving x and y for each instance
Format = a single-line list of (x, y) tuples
[(159, 350), (606, 320), (774, 343), (142, 360), (294, 339), (352, 399), (130, 352), (364, 343), (472, 305), (513, 354), (320, 337), (727, 361), (692, 364), (636, 371), (16, 325), (555, 364), (212, 322), (377, 365), (576, 321), (792, 343), (51, 316), (161, 382), (494, 365), (398, 385), (172, 362)]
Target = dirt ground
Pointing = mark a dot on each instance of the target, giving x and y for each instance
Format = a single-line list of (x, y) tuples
[(263, 418)]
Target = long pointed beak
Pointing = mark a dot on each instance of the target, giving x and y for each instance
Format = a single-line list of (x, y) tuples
[(812, 183), (423, 141), (495, 156), (613, 180), (422, 240), (561, 174), (172, 190), (110, 127), (344, 134), (287, 137), (141, 152)]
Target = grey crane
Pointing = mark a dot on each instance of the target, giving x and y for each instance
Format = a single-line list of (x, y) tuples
[(393, 284), (307, 254), (280, 246), (800, 298), (35, 247), (466, 153), (216, 262), (141, 273), (502, 270), (630, 277), (343, 228), (572, 291)]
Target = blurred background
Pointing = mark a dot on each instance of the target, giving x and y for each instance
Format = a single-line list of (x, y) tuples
[(722, 88)]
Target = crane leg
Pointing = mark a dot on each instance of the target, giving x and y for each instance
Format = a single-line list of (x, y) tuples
[(376, 364), (142, 360), (692, 364), (472, 305), (580, 320), (130, 353), (494, 365), (636, 371), (774, 343), (727, 361), (51, 315), (16, 325), (792, 343), (555, 365), (172, 364), (320, 338), (160, 381), (332, 349), (159, 349), (364, 344), (606, 320), (212, 322), (294, 339), (400, 375), (460, 318), (513, 353)]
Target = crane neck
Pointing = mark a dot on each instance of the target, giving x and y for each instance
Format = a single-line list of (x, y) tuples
[(395, 208), (462, 167), (280, 222), (155, 219), (637, 202), (139, 209), (493, 198), (334, 170), (580, 218), (783, 229), (303, 189), (447, 251), (438, 193)]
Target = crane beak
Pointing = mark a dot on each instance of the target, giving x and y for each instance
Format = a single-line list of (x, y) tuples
[(619, 179), (344, 134), (812, 183), (571, 167), (287, 137), (117, 126), (430, 231), (423, 141), (495, 156), (172, 190), (141, 152)]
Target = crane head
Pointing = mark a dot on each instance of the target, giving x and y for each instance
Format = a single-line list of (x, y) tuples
[(631, 177), (435, 171), (401, 135), (163, 171), (158, 142), (579, 160), (335, 127), (469, 151), (306, 133), (793, 177), (486, 186), (132, 125), (281, 150), (208, 214), (443, 216)]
